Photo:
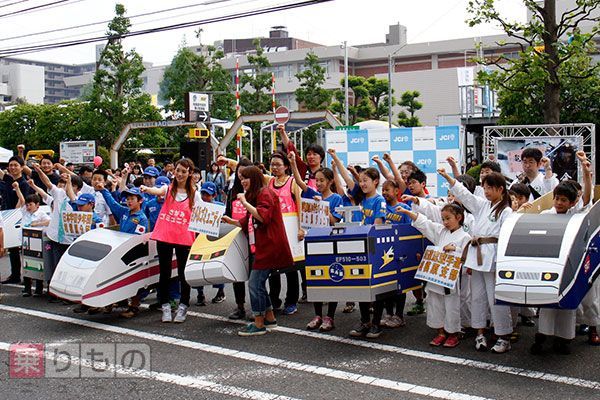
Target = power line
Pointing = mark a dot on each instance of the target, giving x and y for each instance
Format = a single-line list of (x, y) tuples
[(25, 10), (12, 4), (267, 10)]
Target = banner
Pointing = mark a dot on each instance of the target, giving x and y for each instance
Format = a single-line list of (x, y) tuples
[(76, 223), (314, 213), (439, 267), (290, 221), (206, 218)]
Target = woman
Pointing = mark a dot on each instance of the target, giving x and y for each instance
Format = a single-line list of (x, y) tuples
[(216, 176), (136, 172), (171, 234), (263, 213)]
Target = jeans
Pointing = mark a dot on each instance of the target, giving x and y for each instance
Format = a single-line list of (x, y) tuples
[(53, 251), (259, 297), (293, 288), (165, 257)]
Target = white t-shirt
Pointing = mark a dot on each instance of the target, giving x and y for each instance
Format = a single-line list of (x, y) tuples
[(28, 218), (60, 204), (182, 195)]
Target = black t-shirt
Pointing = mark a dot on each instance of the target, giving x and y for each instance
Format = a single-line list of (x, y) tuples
[(9, 196)]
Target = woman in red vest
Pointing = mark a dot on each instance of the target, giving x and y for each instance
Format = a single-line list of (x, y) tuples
[(272, 249)]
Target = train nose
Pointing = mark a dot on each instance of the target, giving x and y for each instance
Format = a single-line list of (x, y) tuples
[(69, 282)]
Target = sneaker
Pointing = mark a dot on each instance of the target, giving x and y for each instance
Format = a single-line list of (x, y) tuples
[(315, 323), (181, 313), (130, 312), (452, 341), (384, 321), (395, 321), (583, 329), (349, 308), (290, 310), (481, 343), (361, 330), (593, 338), (416, 310), (201, 301), (26, 294), (219, 298), (374, 332), (438, 340), (10, 280), (238, 314), (501, 346), (327, 325), (166, 313), (252, 330), (270, 324)]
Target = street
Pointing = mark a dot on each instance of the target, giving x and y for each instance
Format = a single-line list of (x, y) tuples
[(204, 358)]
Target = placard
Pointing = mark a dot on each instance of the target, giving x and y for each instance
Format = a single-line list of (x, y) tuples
[(33, 256), (314, 213), (76, 223), (78, 152), (439, 267), (290, 221), (206, 218)]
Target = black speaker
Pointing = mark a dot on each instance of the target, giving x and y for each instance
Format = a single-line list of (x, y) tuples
[(197, 151)]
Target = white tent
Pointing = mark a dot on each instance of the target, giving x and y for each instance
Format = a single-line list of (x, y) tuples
[(5, 154)]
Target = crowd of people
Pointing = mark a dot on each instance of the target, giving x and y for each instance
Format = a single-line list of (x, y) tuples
[(465, 224)]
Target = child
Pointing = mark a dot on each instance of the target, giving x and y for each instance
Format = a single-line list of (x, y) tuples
[(131, 220), (480, 256), (519, 195), (324, 181), (556, 322), (444, 304), (32, 216), (374, 209), (208, 191), (533, 160)]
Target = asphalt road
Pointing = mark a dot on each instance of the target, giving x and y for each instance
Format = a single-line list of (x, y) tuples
[(204, 358)]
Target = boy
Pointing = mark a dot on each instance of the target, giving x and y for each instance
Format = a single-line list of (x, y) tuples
[(131, 220), (208, 191), (519, 195), (532, 160), (555, 322)]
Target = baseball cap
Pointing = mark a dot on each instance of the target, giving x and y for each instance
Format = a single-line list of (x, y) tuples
[(133, 191), (161, 181), (209, 188), (85, 198), (151, 171)]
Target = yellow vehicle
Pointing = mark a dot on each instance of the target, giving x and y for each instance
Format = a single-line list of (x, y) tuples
[(39, 154)]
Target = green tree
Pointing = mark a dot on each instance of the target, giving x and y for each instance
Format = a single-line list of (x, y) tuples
[(370, 99), (117, 97), (541, 42), (412, 105), (311, 94)]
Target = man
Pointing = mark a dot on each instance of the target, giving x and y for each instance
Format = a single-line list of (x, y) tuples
[(85, 173), (10, 199), (314, 154), (47, 167), (168, 170), (539, 184)]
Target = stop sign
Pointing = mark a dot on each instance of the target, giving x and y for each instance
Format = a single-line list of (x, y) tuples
[(282, 115)]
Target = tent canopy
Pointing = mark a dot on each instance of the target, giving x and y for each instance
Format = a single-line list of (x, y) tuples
[(5, 155)]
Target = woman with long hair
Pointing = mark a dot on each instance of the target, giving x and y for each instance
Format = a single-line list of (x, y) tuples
[(216, 176), (263, 212), (171, 234)]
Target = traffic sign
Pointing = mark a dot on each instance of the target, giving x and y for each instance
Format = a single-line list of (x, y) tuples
[(282, 115), (202, 116)]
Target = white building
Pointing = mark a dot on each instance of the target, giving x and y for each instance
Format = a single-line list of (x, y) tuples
[(20, 81)]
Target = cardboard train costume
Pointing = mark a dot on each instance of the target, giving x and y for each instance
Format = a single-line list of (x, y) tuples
[(548, 260)]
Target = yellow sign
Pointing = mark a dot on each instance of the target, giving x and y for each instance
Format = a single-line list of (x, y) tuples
[(199, 133)]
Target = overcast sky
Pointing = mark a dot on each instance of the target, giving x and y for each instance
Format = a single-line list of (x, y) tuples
[(356, 21)]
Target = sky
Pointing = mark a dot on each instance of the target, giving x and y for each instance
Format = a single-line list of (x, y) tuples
[(354, 21)]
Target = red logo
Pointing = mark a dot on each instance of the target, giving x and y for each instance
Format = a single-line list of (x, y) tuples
[(586, 265), (26, 360)]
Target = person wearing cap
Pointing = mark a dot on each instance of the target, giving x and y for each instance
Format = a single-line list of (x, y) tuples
[(86, 202), (208, 192)]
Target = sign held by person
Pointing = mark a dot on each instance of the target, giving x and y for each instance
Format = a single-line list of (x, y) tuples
[(76, 223), (439, 267), (206, 218), (315, 213)]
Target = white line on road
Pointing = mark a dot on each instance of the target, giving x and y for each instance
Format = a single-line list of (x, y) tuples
[(425, 355), (196, 382), (247, 356)]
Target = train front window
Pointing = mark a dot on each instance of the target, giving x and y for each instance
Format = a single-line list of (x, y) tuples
[(537, 236), (88, 250), (351, 246)]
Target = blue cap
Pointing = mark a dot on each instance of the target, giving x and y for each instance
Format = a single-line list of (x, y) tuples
[(161, 181), (134, 191), (151, 171), (85, 198), (209, 188)]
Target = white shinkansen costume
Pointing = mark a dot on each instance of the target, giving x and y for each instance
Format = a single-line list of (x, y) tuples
[(486, 228), (444, 306)]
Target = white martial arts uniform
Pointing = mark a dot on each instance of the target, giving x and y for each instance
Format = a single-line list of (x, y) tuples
[(483, 277), (588, 312), (540, 184), (443, 309)]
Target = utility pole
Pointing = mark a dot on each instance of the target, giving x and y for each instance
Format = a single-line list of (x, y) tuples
[(346, 106)]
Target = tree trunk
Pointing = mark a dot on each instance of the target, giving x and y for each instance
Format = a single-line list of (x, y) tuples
[(552, 86)]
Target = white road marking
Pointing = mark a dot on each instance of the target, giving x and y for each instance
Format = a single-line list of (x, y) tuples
[(247, 356), (196, 382), (544, 376)]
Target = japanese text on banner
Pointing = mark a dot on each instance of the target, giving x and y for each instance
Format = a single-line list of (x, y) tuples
[(206, 218), (76, 223), (439, 267), (314, 213)]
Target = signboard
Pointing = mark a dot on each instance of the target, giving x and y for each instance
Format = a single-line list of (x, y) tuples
[(559, 149), (314, 213), (197, 107), (206, 218), (76, 223), (33, 256), (426, 146), (290, 221), (282, 115), (439, 267), (79, 152), (347, 128)]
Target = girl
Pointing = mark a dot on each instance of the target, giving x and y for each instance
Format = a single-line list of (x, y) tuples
[(136, 172), (373, 208), (263, 205), (480, 256), (171, 234), (444, 305), (216, 176), (324, 181)]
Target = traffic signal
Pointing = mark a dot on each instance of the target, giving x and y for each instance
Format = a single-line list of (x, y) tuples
[(199, 133)]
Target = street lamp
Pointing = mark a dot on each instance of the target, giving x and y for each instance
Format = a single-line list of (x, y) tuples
[(390, 67), (347, 112)]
